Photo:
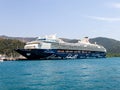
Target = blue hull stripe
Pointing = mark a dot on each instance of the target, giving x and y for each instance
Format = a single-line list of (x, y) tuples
[(59, 54)]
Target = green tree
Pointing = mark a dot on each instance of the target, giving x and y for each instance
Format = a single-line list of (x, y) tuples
[(8, 46)]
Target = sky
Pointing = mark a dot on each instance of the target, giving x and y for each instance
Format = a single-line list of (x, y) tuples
[(66, 18)]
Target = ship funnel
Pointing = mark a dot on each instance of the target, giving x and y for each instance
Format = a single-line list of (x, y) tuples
[(85, 40)]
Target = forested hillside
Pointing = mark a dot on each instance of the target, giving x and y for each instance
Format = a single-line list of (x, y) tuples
[(7, 46), (112, 46)]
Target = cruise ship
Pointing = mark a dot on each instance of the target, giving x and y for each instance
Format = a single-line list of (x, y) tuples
[(51, 47)]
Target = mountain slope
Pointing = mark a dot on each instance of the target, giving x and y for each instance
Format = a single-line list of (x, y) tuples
[(112, 46), (23, 39), (7, 46)]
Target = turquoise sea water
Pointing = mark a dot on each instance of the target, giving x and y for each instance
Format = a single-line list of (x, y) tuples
[(83, 74)]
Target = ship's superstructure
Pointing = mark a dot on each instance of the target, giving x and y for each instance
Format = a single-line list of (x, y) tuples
[(51, 47)]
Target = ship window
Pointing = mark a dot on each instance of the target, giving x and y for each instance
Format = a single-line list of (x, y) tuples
[(71, 51), (42, 39), (79, 51), (67, 51), (75, 51), (60, 51), (88, 52), (83, 51)]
